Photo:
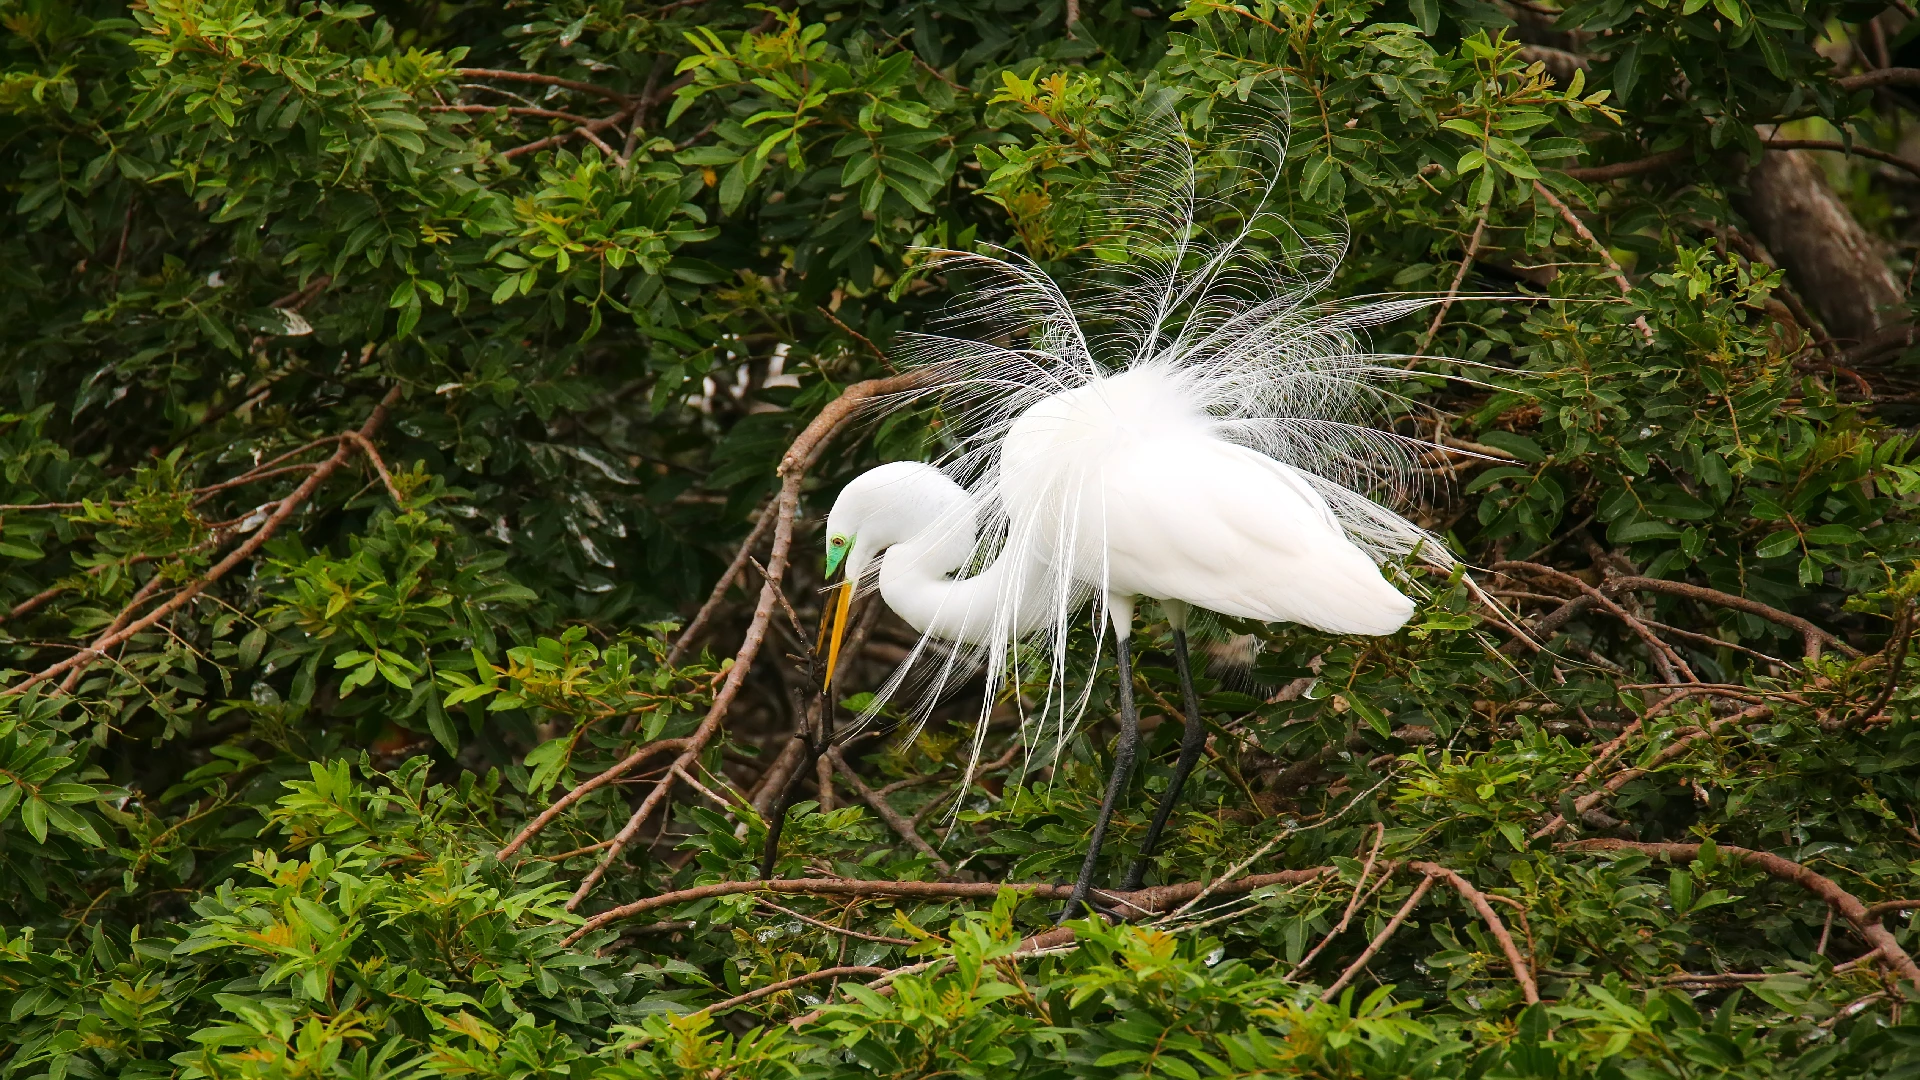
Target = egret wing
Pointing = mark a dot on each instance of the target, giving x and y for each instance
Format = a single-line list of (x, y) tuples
[(1229, 529)]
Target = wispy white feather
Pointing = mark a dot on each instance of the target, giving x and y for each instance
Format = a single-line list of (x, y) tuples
[(1227, 325)]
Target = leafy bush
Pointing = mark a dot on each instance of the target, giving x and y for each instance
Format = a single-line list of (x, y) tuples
[(391, 383)]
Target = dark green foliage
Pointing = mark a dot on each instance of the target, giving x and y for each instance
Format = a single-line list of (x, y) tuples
[(259, 836)]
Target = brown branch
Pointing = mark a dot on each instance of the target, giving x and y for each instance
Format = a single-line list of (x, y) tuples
[(33, 602), (1492, 918), (1604, 754), (1848, 905), (764, 902), (1153, 899), (140, 596), (379, 464), (610, 94), (887, 813), (1594, 174), (1580, 229), (788, 984), (1896, 654), (238, 555), (1671, 752), (1888, 907), (1664, 656), (1360, 891), (1886, 76), (555, 140), (720, 587), (513, 110), (586, 788), (1811, 635), (586, 132), (1453, 290), (1894, 160), (587, 850), (1380, 940), (1543, 627), (716, 714), (878, 353), (793, 467), (207, 493)]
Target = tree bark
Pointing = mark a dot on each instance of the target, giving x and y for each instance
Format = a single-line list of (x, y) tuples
[(1830, 258)]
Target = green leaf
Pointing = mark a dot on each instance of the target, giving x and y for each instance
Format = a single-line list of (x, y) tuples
[(250, 646), (1520, 446), (1426, 13), (1834, 534)]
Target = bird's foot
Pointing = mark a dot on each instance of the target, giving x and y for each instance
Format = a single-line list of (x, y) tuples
[(1089, 905)]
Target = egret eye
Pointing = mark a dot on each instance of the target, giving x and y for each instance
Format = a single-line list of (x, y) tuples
[(839, 541)]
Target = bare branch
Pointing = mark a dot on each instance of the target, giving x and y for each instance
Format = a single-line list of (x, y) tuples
[(1810, 634), (234, 558), (1492, 918), (610, 94), (887, 813), (788, 984), (1825, 888), (793, 466), (1151, 900), (705, 615), (1379, 940)]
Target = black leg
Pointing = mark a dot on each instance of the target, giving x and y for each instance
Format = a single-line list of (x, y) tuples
[(1192, 742), (1117, 783), (777, 821), (816, 731)]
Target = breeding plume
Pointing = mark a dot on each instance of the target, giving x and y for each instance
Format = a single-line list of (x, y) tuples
[(1190, 429)]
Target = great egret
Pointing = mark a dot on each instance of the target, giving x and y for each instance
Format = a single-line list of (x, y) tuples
[(1148, 501), (1207, 450)]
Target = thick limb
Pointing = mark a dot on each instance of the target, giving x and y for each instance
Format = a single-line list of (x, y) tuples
[(1192, 743), (1123, 754)]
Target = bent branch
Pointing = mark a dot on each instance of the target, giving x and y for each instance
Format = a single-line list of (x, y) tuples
[(1848, 905)]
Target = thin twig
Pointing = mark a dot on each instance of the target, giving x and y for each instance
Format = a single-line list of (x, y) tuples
[(513, 110), (1894, 160), (1491, 917), (585, 788), (766, 903), (1229, 877), (705, 615), (788, 984), (234, 558), (545, 80), (1670, 662), (1812, 635), (1380, 940), (1671, 752), (886, 812), (1359, 891), (1154, 898), (1580, 229), (1619, 170), (799, 457), (379, 464), (555, 140), (1453, 291)]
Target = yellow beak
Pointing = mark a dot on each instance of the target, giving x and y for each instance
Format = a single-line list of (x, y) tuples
[(835, 629)]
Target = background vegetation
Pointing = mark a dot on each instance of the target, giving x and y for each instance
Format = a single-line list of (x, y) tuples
[(385, 383)]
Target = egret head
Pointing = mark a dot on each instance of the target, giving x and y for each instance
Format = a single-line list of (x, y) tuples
[(886, 506), (895, 503)]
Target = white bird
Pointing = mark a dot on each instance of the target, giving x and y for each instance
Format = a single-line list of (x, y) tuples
[(1204, 455)]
